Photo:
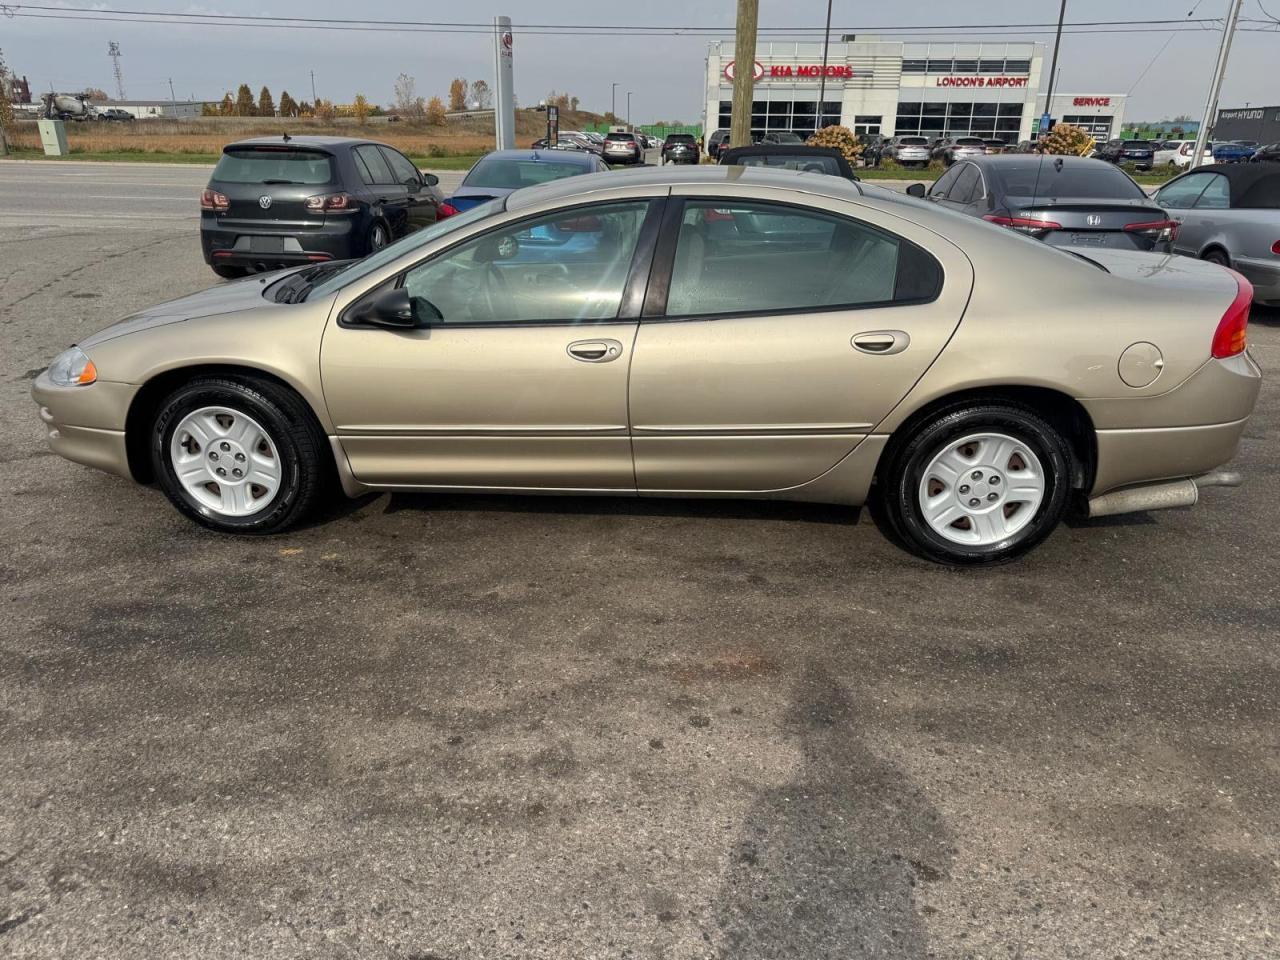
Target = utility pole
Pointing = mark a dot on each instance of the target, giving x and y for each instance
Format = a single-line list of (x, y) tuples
[(1053, 69), (1211, 105), (822, 84), (613, 100), (172, 98), (628, 108), (313, 88), (744, 72)]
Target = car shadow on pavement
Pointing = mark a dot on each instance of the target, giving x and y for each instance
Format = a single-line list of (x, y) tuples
[(830, 864), (622, 506)]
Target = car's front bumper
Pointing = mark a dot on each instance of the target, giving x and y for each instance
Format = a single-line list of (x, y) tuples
[(1263, 274), (86, 424)]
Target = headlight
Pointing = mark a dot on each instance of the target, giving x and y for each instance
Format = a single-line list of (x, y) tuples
[(72, 368)]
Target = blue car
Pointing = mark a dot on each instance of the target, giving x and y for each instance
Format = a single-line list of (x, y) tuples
[(1232, 151), (499, 173)]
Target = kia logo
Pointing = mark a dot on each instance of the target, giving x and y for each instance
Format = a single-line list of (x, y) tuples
[(1093, 220), (264, 203)]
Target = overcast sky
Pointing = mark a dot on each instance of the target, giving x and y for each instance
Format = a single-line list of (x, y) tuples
[(665, 73)]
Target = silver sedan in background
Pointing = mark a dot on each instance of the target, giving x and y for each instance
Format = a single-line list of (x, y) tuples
[(1229, 214)]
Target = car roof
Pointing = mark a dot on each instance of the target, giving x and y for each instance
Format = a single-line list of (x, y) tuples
[(572, 156), (304, 141), (708, 175)]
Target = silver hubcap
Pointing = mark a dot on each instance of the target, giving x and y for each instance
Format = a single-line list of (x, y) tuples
[(981, 489), (226, 461), (379, 237)]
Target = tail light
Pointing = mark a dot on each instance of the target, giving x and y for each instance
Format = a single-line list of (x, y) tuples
[(1275, 248), (445, 209), (213, 200), (1022, 224), (1229, 338), (1157, 230), (331, 203)]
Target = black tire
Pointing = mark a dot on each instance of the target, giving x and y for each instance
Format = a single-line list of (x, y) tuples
[(229, 272), (301, 444), (1216, 256), (897, 501)]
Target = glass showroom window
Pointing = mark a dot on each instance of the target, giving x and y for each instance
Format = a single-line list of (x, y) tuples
[(1097, 127), (867, 124)]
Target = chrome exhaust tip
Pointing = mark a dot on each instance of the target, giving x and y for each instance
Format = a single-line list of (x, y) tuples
[(1160, 496)]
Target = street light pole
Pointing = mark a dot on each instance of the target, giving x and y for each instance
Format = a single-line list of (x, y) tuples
[(1053, 67), (744, 72), (822, 84), (613, 100), (1215, 88), (628, 108)]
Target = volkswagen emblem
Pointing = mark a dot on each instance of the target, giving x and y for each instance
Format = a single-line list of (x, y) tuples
[(265, 203), (1092, 219)]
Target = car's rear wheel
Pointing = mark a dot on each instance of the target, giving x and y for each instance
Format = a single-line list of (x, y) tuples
[(229, 272), (976, 483), (379, 236), (1216, 256), (239, 456)]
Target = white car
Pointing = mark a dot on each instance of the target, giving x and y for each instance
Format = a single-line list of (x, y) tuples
[(1178, 152)]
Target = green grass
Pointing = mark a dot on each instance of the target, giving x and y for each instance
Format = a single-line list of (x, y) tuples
[(130, 156)]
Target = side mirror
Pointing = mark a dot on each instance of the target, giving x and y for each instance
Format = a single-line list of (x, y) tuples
[(390, 308), (916, 190), (432, 179)]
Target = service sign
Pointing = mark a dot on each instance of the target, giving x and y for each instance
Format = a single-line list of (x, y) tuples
[(970, 81), (1091, 102)]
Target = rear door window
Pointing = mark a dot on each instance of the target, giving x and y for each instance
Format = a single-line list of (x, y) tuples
[(734, 257), (401, 167), (1183, 192), (375, 165), (1216, 196), (968, 185), (273, 164), (942, 187)]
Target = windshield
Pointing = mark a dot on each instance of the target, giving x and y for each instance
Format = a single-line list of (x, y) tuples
[(1139, 145), (913, 141), (273, 164), (680, 138), (970, 142), (508, 173), (376, 261), (1044, 181)]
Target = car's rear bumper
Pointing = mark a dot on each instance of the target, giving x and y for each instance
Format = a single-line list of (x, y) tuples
[(86, 424), (1263, 274), (271, 247), (1211, 407)]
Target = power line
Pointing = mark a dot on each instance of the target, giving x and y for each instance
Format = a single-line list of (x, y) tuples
[(50, 12)]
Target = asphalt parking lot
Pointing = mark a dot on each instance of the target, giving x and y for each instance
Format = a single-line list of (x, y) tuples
[(444, 727)]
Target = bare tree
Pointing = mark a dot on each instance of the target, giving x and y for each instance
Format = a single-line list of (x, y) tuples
[(406, 93), (480, 95)]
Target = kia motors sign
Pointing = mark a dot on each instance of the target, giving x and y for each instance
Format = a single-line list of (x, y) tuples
[(1091, 102), (839, 71), (969, 81), (757, 71)]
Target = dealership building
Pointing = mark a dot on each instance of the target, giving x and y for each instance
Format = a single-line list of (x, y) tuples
[(989, 90)]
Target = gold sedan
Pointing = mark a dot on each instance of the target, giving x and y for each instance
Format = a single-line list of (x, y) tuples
[(715, 331)]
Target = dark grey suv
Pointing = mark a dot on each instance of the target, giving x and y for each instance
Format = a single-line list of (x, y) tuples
[(282, 202)]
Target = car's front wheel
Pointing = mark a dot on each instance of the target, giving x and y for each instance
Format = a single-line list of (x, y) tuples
[(976, 483), (239, 456)]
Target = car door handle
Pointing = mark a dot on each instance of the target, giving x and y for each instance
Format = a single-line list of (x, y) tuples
[(881, 342), (595, 351)]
